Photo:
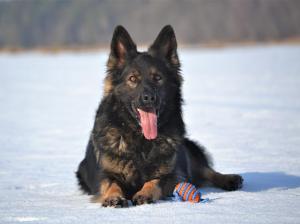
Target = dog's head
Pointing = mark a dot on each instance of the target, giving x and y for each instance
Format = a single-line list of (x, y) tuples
[(147, 84)]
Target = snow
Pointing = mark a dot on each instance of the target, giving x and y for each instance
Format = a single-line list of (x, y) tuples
[(241, 103)]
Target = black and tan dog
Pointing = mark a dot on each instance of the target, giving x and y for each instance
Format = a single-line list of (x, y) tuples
[(138, 149)]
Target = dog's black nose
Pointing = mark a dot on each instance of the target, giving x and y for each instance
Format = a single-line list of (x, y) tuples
[(148, 98)]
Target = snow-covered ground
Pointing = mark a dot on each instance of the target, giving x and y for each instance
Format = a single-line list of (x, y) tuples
[(243, 104)]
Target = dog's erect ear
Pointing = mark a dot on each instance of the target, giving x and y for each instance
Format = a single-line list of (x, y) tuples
[(122, 48), (165, 46)]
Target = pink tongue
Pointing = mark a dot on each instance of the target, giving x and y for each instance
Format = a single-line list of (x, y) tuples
[(148, 123)]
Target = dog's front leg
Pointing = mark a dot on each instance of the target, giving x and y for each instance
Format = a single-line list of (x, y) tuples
[(150, 192), (110, 194), (154, 190)]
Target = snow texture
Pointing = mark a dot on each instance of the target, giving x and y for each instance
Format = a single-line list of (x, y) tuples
[(243, 104)]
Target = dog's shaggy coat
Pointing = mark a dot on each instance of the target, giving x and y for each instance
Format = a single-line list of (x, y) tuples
[(138, 148)]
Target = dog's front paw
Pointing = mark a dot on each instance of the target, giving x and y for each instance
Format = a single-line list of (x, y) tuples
[(115, 202), (140, 199), (232, 182)]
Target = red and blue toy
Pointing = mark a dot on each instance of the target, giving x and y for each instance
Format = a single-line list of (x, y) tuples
[(187, 192)]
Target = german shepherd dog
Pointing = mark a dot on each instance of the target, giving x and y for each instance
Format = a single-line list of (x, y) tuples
[(138, 149)]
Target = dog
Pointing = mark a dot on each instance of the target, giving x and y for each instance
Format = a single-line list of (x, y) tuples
[(138, 149)]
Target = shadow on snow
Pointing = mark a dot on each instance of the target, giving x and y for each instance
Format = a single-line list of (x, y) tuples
[(263, 181), (257, 181)]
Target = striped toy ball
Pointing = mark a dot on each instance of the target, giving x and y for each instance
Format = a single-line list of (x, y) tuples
[(187, 192)]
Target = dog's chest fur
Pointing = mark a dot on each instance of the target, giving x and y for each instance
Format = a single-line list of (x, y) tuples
[(132, 158)]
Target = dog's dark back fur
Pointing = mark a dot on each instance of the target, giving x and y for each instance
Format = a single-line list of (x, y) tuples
[(119, 158)]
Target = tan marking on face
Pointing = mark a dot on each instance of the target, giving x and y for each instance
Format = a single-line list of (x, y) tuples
[(129, 81), (154, 73), (153, 70), (108, 86), (112, 62), (131, 84), (174, 60)]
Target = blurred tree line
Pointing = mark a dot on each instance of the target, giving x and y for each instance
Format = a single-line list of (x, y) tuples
[(67, 23)]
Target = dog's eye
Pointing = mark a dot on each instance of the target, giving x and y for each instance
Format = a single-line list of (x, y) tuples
[(157, 77), (133, 78)]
